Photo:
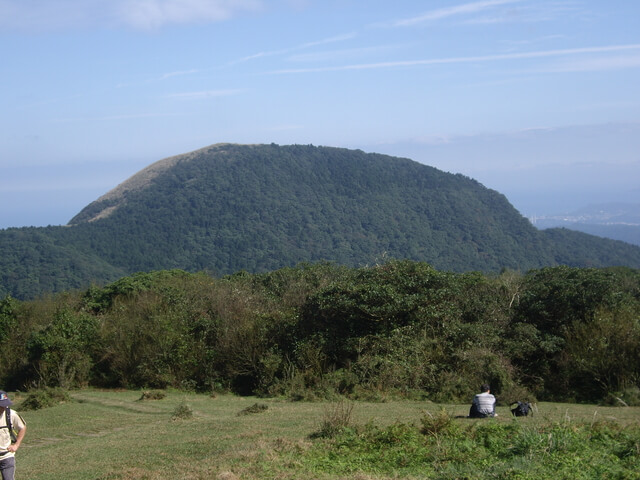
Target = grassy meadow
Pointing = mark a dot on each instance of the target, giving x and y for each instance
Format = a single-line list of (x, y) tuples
[(116, 434)]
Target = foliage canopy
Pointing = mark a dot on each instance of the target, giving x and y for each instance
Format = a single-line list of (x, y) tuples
[(401, 328)]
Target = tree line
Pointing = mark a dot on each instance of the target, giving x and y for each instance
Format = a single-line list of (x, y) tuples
[(397, 329)]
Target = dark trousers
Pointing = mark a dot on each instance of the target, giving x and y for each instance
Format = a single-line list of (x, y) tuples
[(8, 468), (475, 413)]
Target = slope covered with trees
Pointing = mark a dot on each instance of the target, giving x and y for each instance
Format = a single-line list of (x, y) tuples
[(400, 329), (258, 208)]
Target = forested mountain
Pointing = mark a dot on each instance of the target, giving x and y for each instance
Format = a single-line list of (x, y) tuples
[(228, 207)]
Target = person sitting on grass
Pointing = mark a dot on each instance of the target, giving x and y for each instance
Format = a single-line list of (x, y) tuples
[(484, 404)]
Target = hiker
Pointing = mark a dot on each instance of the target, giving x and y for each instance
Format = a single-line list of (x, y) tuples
[(484, 404), (10, 422)]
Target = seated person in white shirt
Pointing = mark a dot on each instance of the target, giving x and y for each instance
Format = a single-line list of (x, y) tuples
[(484, 404)]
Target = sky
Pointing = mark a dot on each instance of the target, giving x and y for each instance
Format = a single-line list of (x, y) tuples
[(537, 99)]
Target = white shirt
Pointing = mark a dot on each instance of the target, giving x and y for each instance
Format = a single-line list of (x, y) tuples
[(486, 403), (5, 439)]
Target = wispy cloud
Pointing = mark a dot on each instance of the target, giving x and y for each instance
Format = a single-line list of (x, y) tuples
[(162, 77), (334, 55), (463, 9), (473, 59), (285, 51), (205, 94), (150, 14), (116, 117), (534, 12), (334, 39), (533, 41), (139, 14), (179, 73), (48, 15), (597, 64)]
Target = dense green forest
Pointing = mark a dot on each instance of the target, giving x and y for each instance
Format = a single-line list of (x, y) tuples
[(398, 329), (258, 208)]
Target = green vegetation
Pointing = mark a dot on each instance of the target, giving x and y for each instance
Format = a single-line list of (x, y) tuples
[(112, 435), (229, 208), (450, 449), (255, 408), (153, 395), (45, 397), (401, 329), (182, 411), (389, 355)]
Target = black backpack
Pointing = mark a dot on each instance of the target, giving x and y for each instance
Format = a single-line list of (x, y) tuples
[(522, 409)]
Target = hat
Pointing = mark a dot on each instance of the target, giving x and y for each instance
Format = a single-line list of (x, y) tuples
[(4, 399)]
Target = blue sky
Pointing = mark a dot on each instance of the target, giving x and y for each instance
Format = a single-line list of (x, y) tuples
[(538, 99)]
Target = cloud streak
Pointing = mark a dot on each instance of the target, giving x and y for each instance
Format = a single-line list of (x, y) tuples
[(139, 14), (304, 46), (597, 64), (459, 60), (152, 14), (463, 9), (205, 94), (179, 73), (131, 116)]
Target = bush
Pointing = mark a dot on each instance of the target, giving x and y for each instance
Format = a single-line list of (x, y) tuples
[(336, 418), (182, 412), (255, 408), (513, 393), (440, 424), (398, 330), (61, 351), (369, 448), (629, 397), (152, 395), (43, 398), (512, 450)]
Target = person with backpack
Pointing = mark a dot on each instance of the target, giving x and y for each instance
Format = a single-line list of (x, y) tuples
[(484, 404), (12, 431)]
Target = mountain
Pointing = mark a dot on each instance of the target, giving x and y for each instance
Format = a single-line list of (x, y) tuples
[(228, 207), (618, 221)]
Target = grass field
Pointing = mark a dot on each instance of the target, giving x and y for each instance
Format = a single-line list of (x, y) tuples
[(104, 435)]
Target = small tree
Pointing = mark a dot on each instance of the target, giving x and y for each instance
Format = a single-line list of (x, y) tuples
[(601, 356), (60, 352)]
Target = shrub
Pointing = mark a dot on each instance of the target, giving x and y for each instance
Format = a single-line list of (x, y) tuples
[(182, 411), (60, 352), (629, 397), (370, 448), (255, 408), (43, 398), (434, 425), (513, 393), (152, 395), (337, 417), (511, 450)]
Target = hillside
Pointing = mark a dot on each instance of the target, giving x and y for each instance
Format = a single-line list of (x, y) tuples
[(228, 207)]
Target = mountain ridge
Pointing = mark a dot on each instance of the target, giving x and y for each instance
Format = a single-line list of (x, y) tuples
[(138, 180), (229, 207)]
